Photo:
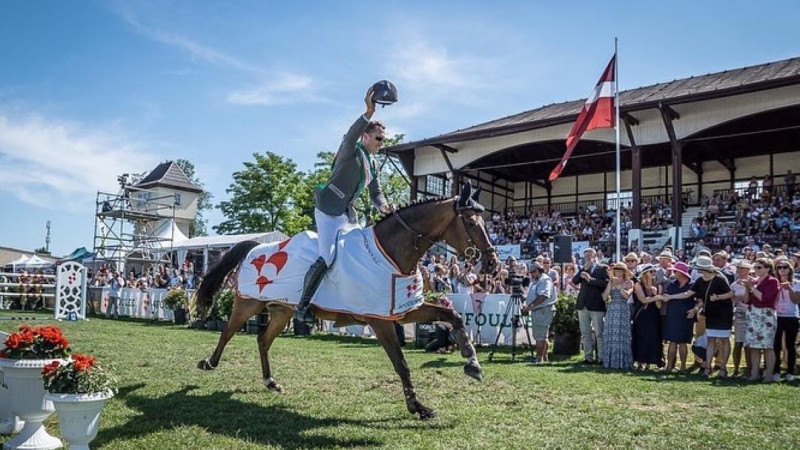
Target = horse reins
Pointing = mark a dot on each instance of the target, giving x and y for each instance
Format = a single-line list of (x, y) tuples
[(472, 252)]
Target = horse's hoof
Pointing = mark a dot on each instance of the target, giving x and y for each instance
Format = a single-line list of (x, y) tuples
[(426, 413), (205, 365), (273, 385), (474, 371)]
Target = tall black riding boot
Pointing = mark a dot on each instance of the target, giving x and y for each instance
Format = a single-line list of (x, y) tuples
[(310, 284)]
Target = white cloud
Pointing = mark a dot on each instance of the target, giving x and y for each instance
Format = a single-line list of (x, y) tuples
[(195, 49), (420, 63), (281, 89), (58, 164)]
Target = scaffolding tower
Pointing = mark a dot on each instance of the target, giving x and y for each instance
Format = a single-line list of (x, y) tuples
[(127, 225)]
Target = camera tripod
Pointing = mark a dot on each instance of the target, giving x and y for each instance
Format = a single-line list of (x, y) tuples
[(513, 311)]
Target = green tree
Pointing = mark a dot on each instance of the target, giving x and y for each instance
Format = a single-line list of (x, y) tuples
[(198, 227), (263, 197)]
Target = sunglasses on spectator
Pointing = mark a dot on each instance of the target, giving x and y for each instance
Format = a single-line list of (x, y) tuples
[(783, 267), (757, 267), (379, 138)]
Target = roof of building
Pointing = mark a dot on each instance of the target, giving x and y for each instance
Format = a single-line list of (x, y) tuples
[(713, 85), (168, 174)]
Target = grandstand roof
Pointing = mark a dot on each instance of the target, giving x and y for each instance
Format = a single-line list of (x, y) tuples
[(703, 87), (737, 113)]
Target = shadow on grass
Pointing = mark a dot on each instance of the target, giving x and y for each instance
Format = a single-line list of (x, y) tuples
[(221, 415), (654, 375)]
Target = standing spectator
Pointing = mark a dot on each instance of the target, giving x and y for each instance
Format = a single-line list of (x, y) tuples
[(617, 351), (647, 345), (116, 283), (452, 277), (743, 268), (440, 280), (761, 319), (680, 317), (541, 303), (788, 316), (767, 188), (752, 189), (713, 290), (467, 280), (569, 287), (592, 279), (789, 180), (552, 273), (720, 261)]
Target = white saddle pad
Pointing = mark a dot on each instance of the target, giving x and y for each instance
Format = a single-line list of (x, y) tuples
[(361, 280)]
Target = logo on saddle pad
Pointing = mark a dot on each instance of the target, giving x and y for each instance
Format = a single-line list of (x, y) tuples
[(277, 259)]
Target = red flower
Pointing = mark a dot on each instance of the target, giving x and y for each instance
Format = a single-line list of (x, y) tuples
[(51, 368), (12, 341), (83, 363)]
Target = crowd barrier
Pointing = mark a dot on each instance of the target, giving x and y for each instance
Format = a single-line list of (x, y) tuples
[(483, 314)]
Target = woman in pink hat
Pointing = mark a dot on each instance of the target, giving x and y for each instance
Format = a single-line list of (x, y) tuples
[(680, 317)]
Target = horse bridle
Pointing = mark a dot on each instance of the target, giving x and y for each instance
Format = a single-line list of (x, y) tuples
[(471, 253)]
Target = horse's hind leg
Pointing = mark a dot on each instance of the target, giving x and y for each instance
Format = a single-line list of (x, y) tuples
[(430, 313), (385, 332), (243, 309), (279, 316)]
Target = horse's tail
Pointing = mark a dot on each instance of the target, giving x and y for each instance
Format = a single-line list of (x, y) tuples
[(215, 277)]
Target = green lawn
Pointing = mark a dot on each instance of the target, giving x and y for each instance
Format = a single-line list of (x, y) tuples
[(342, 392)]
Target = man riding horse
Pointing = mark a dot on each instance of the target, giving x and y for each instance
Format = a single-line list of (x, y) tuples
[(353, 168)]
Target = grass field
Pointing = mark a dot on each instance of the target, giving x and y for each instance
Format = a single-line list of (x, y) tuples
[(342, 392)]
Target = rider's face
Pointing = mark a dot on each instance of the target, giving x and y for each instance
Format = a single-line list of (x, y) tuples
[(373, 141)]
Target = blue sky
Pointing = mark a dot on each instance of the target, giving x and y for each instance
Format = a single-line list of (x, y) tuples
[(89, 90)]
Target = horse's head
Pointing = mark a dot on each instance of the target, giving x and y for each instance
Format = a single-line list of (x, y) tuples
[(467, 233)]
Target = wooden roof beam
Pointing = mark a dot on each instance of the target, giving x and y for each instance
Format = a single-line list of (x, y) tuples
[(446, 148), (665, 108), (629, 119)]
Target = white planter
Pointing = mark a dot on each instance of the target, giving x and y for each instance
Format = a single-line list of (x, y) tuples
[(24, 380), (79, 416)]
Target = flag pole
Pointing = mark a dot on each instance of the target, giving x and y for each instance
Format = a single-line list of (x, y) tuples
[(616, 128)]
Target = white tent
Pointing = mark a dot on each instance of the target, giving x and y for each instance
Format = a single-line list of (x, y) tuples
[(206, 243), (19, 262), (168, 235), (37, 263)]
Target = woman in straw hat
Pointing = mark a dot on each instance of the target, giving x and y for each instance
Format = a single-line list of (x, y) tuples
[(680, 317), (647, 344), (713, 296), (761, 319), (617, 352)]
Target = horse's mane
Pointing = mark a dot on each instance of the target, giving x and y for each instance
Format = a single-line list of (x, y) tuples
[(413, 204)]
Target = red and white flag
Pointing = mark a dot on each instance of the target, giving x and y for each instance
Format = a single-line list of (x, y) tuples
[(597, 112)]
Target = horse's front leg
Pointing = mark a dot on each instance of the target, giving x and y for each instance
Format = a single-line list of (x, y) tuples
[(243, 309), (472, 368), (385, 332), (279, 316)]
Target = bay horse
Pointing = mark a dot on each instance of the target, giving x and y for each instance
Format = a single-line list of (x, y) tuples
[(406, 235)]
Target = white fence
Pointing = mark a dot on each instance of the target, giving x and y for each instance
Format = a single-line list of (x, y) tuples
[(65, 291)]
